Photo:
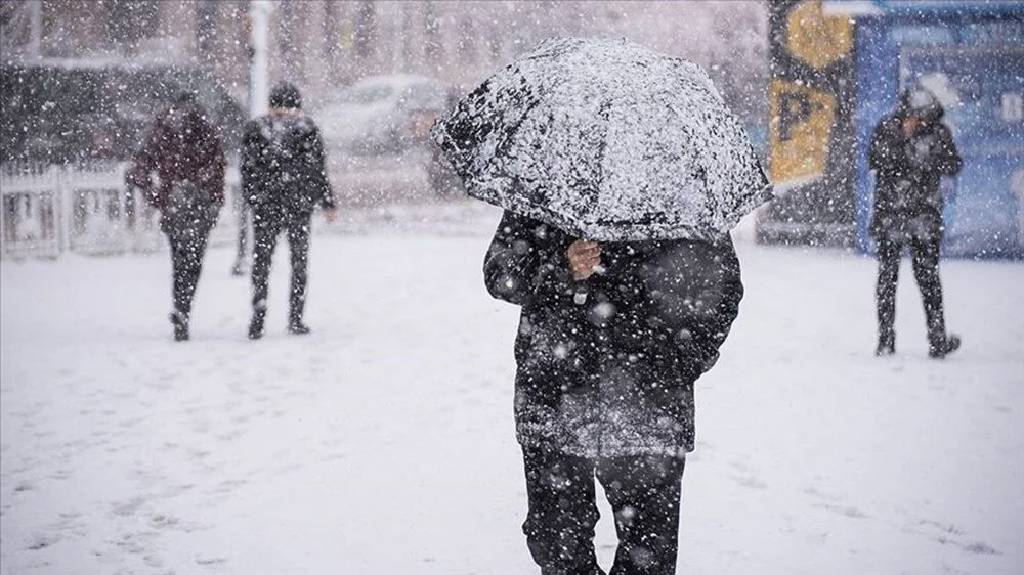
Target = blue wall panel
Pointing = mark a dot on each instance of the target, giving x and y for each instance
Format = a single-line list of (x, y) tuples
[(978, 60)]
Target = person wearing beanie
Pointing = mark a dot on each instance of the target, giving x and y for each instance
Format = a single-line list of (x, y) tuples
[(910, 151), (285, 96), (284, 178)]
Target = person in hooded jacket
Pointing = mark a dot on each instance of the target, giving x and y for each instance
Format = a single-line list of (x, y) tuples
[(611, 339), (184, 149), (910, 151), (284, 177)]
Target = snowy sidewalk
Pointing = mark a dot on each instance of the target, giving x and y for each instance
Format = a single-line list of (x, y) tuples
[(383, 443)]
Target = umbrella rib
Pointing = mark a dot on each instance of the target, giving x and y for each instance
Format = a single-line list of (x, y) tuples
[(593, 187)]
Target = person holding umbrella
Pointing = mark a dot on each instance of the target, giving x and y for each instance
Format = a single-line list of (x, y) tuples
[(621, 172)]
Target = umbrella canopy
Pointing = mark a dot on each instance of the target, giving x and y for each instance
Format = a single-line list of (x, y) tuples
[(608, 141)]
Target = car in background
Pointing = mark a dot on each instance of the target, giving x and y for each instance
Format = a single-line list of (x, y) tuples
[(382, 115), (62, 113)]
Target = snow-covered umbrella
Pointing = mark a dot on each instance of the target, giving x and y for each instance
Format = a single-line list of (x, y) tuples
[(608, 141)]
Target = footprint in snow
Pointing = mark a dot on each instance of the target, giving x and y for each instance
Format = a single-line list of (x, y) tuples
[(944, 528), (749, 482), (739, 465), (160, 521), (207, 561), (128, 508), (229, 485), (42, 541), (844, 510), (976, 548), (815, 492), (948, 532)]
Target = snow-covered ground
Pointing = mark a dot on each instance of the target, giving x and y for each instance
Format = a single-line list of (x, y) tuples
[(383, 442)]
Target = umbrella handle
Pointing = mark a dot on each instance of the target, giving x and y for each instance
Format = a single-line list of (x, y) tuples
[(582, 291), (580, 295)]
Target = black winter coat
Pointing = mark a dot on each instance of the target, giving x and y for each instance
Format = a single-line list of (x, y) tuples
[(908, 201), (612, 376), (284, 172), (182, 146)]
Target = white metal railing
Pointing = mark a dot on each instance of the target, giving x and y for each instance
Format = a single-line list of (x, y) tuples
[(49, 210)]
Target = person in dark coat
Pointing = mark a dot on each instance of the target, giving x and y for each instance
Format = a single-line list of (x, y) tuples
[(185, 151), (611, 339), (284, 177), (910, 151)]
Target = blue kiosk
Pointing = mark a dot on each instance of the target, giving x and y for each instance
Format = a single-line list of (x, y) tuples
[(971, 55)]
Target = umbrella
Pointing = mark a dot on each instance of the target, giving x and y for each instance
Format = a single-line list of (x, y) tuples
[(608, 141)]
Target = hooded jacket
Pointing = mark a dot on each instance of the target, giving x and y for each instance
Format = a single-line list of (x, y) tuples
[(908, 202)]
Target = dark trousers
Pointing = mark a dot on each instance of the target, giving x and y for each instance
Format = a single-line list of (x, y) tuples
[(644, 494), (265, 233), (243, 233), (925, 261), (187, 236)]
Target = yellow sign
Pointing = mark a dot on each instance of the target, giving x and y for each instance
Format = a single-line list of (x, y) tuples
[(817, 39), (799, 130)]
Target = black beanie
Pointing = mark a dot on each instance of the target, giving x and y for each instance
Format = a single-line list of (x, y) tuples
[(285, 95)]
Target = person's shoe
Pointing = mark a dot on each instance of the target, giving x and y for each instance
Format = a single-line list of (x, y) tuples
[(180, 324), (298, 328), (886, 346), (948, 346), (256, 328)]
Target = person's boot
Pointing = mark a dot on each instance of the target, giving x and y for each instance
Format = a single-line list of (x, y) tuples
[(886, 344), (256, 327), (946, 346), (180, 323), (296, 327)]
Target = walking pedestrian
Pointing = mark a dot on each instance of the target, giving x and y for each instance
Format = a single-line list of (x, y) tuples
[(284, 177), (185, 151), (604, 384), (615, 245), (910, 151)]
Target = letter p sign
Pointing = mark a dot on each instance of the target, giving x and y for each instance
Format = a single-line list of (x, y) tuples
[(794, 110)]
